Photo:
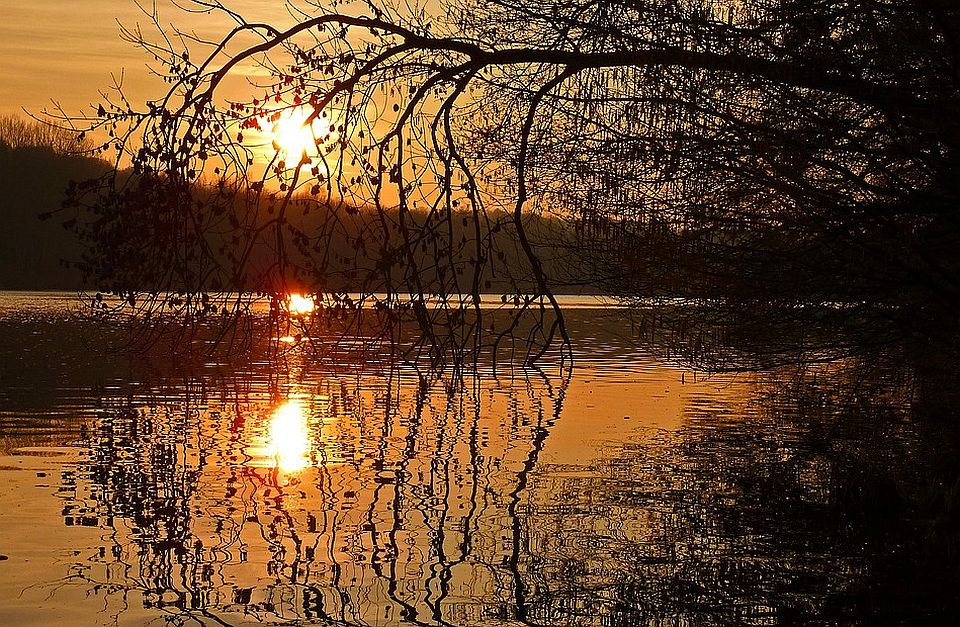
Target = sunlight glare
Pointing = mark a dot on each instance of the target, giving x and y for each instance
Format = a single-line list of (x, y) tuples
[(289, 437), (298, 305), (293, 136)]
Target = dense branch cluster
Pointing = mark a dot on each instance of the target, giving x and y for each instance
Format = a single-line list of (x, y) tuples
[(728, 139)]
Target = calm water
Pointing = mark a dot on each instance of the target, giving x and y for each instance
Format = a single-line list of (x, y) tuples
[(631, 492)]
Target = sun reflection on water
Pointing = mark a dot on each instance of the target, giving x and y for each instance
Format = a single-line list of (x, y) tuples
[(289, 443), (299, 305)]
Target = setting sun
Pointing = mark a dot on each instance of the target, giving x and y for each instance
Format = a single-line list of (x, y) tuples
[(293, 136)]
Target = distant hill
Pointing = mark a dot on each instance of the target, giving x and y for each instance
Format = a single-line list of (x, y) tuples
[(33, 180), (38, 161)]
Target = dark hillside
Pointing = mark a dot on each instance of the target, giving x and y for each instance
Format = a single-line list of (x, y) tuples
[(32, 252)]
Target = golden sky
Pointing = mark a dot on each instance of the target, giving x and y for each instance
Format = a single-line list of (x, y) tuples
[(67, 50), (56, 51)]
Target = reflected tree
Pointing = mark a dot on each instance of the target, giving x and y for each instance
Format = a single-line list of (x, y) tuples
[(403, 511), (802, 495)]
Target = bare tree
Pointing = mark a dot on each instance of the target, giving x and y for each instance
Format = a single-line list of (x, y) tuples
[(16, 132), (748, 132)]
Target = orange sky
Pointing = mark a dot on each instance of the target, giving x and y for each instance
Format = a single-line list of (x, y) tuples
[(66, 51)]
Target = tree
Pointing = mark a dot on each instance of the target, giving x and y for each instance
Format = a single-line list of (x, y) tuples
[(15, 132), (812, 139)]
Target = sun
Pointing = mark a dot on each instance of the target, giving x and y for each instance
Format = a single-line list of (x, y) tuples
[(293, 137)]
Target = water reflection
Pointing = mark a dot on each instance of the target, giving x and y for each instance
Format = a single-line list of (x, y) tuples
[(289, 437), (408, 508), (775, 500), (299, 305), (631, 493)]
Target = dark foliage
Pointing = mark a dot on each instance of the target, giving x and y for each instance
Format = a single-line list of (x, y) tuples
[(767, 154)]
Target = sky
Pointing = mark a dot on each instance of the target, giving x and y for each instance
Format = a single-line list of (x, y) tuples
[(66, 51)]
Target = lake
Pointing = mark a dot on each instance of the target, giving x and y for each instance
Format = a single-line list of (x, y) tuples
[(630, 490)]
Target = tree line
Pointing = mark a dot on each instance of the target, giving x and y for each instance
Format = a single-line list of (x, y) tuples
[(17, 132)]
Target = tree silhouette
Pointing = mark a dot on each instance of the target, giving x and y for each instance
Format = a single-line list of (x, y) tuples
[(768, 151), (15, 132)]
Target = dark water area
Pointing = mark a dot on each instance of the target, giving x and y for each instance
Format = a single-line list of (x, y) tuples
[(630, 491)]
